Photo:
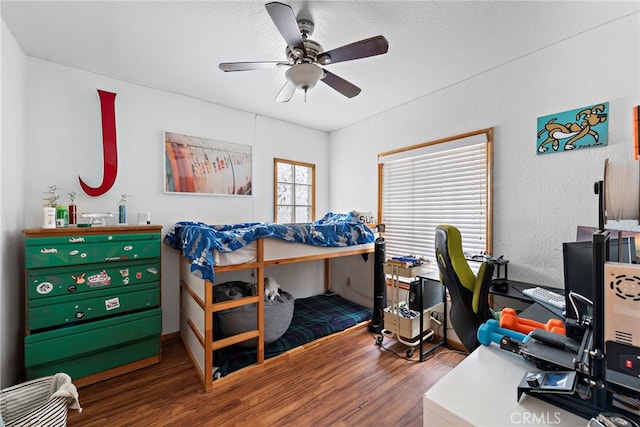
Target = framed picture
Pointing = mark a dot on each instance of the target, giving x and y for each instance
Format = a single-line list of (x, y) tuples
[(574, 129), (636, 132), (197, 165)]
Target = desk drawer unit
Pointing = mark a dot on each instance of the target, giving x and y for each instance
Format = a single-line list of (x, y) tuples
[(92, 301)]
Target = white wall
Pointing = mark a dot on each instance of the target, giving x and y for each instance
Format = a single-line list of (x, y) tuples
[(64, 130), (538, 199), (12, 156)]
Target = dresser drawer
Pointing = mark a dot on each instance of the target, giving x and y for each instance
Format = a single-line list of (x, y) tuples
[(84, 343), (53, 282), (97, 362), (74, 250), (69, 309)]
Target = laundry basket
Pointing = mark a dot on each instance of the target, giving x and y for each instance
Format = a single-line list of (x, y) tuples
[(42, 402)]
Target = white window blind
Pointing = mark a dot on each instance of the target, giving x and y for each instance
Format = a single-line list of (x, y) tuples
[(444, 183)]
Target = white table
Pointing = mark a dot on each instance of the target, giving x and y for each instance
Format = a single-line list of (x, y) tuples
[(482, 391)]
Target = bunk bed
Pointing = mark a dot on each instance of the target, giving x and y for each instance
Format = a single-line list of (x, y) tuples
[(210, 249)]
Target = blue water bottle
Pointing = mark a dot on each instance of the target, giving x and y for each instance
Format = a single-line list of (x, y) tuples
[(122, 210)]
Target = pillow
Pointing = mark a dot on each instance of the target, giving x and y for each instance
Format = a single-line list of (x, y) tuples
[(365, 217)]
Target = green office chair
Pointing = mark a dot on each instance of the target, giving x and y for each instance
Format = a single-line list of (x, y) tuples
[(469, 293)]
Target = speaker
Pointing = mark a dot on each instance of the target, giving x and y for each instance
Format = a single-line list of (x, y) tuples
[(379, 287), (415, 292)]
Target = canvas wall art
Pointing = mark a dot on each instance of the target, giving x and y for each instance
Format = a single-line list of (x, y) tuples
[(198, 165), (574, 129)]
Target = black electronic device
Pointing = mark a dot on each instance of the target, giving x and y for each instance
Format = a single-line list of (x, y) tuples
[(379, 287), (603, 386), (563, 382), (506, 343), (610, 419), (533, 379), (551, 351), (578, 265), (556, 340), (414, 295), (621, 323), (623, 359), (574, 328), (500, 284), (431, 295)]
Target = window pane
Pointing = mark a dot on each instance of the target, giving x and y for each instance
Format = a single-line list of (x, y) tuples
[(302, 195), (303, 175), (285, 172), (445, 183), (285, 194), (284, 214), (302, 214), (294, 188)]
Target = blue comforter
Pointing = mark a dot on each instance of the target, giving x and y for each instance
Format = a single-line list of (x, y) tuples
[(196, 240)]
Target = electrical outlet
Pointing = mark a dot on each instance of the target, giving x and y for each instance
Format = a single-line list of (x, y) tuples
[(348, 281)]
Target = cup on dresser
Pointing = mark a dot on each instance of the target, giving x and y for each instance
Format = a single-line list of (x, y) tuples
[(144, 218)]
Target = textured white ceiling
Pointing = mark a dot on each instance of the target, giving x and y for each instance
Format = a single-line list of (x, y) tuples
[(177, 45)]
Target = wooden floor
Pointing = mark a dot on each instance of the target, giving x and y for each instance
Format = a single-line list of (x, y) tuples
[(347, 380)]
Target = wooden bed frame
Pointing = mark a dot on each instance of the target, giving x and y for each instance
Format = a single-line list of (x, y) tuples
[(197, 306)]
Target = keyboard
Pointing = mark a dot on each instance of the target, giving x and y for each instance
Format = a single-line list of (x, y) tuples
[(546, 296)]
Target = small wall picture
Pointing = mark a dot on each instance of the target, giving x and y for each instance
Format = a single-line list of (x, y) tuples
[(574, 129), (204, 166)]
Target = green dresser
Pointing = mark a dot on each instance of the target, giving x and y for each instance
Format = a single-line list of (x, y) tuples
[(92, 301)]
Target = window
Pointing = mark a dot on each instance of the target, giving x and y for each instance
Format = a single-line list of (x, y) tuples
[(295, 194), (441, 182)]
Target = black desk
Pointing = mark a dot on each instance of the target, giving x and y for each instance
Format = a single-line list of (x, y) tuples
[(539, 313), (514, 291)]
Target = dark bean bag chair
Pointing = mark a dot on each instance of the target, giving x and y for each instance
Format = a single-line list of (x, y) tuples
[(277, 312)]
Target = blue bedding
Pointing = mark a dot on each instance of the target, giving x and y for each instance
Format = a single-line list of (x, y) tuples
[(196, 240)]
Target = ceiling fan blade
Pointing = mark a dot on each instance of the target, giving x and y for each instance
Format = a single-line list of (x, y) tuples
[(346, 88), (286, 93), (282, 15), (248, 66), (361, 49)]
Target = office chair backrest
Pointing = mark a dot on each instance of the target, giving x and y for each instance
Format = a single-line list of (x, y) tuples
[(469, 292)]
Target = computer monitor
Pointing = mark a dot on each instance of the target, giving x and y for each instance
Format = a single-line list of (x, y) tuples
[(578, 265), (586, 233)]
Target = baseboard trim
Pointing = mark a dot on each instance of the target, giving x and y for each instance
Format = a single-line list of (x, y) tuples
[(455, 345), (170, 336)]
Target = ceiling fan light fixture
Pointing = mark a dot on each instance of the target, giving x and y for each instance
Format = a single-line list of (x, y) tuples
[(306, 58), (304, 76), (324, 59)]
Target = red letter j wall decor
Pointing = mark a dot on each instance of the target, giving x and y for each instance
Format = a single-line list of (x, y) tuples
[(109, 145)]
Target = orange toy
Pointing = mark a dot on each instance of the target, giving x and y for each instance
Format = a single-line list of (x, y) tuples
[(509, 320)]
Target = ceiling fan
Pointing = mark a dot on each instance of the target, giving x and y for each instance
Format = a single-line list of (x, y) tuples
[(306, 58)]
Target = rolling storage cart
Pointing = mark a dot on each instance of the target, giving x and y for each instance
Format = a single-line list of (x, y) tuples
[(407, 324)]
